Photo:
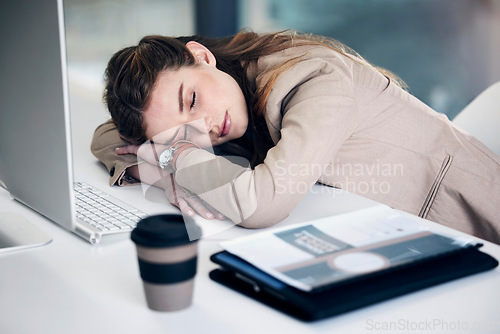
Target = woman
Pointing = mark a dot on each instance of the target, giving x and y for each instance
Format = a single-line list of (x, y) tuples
[(302, 109)]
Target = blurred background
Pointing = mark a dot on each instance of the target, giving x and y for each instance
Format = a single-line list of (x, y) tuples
[(447, 51)]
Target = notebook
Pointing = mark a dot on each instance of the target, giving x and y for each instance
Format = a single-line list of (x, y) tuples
[(35, 135), (336, 264)]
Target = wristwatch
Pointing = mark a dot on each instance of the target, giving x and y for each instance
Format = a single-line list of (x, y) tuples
[(167, 158)]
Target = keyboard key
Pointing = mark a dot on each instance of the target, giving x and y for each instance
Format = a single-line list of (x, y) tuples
[(104, 211)]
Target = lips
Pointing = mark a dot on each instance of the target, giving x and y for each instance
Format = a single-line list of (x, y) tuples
[(225, 126)]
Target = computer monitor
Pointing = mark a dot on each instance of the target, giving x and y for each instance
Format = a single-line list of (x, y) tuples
[(35, 148)]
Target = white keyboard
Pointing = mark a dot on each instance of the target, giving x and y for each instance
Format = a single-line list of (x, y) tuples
[(103, 213)]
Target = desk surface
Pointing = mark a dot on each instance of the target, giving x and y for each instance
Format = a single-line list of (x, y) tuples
[(69, 286)]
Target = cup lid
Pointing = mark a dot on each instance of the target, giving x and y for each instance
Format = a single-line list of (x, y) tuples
[(166, 230)]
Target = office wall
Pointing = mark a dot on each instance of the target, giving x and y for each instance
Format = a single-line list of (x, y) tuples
[(95, 29), (447, 51)]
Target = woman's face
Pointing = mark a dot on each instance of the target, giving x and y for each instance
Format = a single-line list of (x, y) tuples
[(196, 100)]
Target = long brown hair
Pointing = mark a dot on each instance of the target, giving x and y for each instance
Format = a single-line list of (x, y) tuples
[(131, 75)]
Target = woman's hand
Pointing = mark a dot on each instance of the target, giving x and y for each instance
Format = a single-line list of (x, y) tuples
[(190, 204), (151, 173), (149, 152)]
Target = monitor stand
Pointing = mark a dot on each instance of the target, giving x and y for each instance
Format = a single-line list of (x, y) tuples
[(16, 232)]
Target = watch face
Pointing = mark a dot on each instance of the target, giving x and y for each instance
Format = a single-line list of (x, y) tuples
[(165, 157)]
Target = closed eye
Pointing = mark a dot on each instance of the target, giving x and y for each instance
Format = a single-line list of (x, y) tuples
[(193, 101)]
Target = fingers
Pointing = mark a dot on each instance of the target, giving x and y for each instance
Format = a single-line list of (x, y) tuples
[(218, 215), (185, 208), (191, 205), (150, 152), (129, 149), (200, 208), (147, 151)]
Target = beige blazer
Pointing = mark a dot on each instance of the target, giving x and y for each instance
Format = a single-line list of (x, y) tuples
[(339, 122)]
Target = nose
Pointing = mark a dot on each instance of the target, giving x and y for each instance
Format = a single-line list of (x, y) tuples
[(202, 125), (199, 131), (208, 124)]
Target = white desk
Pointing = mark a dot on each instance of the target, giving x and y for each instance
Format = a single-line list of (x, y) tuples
[(72, 287)]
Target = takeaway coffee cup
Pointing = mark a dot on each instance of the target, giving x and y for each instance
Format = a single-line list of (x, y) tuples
[(167, 260)]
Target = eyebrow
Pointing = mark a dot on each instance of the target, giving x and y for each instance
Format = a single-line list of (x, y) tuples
[(181, 99)]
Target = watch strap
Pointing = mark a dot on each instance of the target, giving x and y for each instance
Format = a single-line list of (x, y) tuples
[(185, 145), (175, 149)]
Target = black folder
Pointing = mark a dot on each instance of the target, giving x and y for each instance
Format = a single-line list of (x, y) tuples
[(348, 295)]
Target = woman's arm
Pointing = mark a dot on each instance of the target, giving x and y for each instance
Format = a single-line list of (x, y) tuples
[(124, 169), (319, 112), (106, 139)]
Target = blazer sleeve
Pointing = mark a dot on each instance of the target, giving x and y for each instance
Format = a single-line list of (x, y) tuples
[(106, 138), (319, 111)]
